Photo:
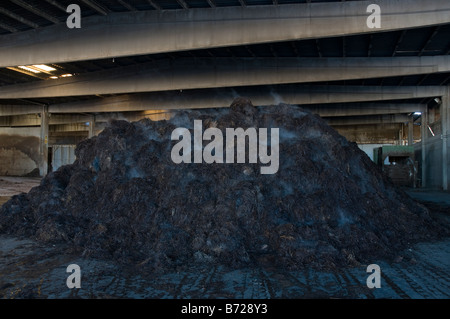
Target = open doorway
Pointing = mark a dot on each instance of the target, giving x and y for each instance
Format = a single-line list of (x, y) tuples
[(50, 159)]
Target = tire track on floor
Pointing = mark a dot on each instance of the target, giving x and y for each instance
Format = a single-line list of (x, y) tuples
[(411, 279), (399, 291)]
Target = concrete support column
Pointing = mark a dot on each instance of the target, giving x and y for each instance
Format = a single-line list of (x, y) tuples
[(92, 126), (411, 131), (432, 115), (445, 124), (424, 134), (43, 147)]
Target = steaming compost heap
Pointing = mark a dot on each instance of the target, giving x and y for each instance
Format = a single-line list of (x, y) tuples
[(125, 199)]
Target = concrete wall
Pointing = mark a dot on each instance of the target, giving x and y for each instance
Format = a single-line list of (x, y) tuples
[(385, 134), (19, 150), (14, 162)]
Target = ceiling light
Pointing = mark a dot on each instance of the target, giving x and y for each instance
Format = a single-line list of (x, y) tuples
[(417, 113), (44, 67), (53, 77), (66, 75), (29, 69)]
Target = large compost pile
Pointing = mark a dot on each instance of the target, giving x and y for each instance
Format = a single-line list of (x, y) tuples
[(124, 199)]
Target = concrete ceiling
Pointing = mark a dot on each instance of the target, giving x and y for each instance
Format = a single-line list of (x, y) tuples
[(132, 55)]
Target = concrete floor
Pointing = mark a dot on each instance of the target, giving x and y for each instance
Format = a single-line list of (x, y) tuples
[(31, 270), (430, 195)]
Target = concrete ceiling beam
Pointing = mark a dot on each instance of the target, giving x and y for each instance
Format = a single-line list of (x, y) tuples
[(357, 109), (364, 120), (162, 31), (215, 98), (190, 73)]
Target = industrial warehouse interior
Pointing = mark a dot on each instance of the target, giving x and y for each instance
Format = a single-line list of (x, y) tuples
[(135, 138)]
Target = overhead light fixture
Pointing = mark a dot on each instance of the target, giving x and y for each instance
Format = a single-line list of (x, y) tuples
[(65, 75), (44, 67), (417, 113), (40, 71), (23, 67)]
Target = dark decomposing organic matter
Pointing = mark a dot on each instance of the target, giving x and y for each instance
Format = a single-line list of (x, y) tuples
[(124, 199)]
